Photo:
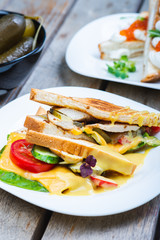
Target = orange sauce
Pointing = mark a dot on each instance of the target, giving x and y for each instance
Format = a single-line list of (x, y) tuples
[(138, 24), (157, 47)]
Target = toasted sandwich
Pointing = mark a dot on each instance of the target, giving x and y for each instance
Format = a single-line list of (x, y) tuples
[(92, 120), (128, 40), (78, 145), (151, 64)]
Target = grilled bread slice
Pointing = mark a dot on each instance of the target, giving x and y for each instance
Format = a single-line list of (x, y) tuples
[(107, 158), (41, 124), (97, 108), (108, 49)]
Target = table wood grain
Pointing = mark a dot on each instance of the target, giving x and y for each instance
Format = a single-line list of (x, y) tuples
[(21, 220)]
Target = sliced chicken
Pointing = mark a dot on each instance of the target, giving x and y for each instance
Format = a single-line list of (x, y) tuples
[(76, 115), (66, 125), (117, 127)]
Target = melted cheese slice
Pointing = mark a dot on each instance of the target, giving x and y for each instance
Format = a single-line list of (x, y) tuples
[(55, 181)]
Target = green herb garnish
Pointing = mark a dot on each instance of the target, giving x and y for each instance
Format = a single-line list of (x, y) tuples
[(122, 67), (154, 33), (140, 18)]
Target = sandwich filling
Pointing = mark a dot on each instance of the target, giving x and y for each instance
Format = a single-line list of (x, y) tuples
[(120, 136)]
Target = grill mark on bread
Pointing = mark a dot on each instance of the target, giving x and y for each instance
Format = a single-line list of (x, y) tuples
[(97, 108), (100, 104)]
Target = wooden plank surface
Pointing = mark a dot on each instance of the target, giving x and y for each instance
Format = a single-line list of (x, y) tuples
[(52, 69), (133, 225), (19, 219)]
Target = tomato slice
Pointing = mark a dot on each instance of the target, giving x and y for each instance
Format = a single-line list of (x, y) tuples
[(103, 181), (21, 156), (152, 130), (155, 130), (123, 140)]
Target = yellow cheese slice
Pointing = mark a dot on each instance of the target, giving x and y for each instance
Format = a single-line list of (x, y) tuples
[(55, 181)]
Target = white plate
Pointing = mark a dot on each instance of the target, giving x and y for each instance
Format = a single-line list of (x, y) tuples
[(82, 55), (143, 187)]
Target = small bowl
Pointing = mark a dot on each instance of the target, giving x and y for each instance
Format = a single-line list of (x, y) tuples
[(40, 44)]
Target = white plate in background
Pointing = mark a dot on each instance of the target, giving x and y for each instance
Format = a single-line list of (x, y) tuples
[(83, 57)]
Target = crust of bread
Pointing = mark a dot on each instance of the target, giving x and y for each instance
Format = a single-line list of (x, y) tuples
[(151, 78), (71, 146), (105, 56), (41, 111), (83, 149), (97, 108), (34, 124)]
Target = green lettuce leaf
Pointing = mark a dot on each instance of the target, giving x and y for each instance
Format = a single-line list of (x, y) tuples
[(151, 140), (147, 140), (18, 181)]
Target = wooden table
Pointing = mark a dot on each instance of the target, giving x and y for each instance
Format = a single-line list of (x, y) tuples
[(63, 18)]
